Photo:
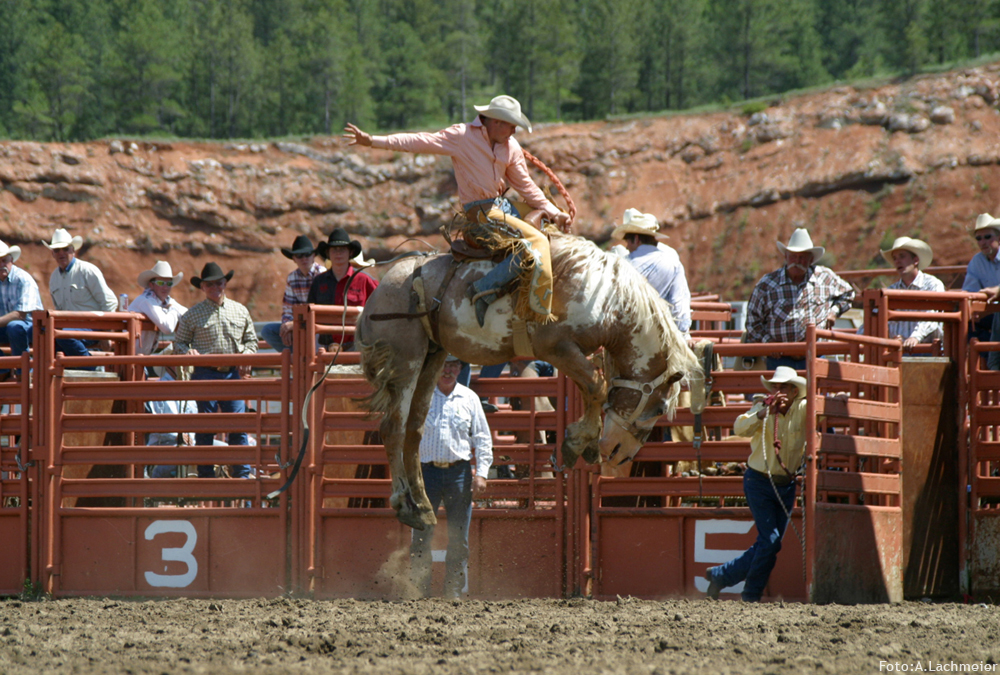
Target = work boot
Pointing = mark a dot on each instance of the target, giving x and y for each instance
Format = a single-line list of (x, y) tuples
[(497, 278)]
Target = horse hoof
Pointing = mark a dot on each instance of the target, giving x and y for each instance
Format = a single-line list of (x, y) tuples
[(414, 519), (592, 453)]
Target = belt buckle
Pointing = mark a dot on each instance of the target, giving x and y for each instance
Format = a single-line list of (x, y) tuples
[(223, 369), (443, 465)]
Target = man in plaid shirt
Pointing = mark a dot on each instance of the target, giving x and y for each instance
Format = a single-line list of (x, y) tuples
[(279, 334), (217, 325), (19, 297), (785, 301)]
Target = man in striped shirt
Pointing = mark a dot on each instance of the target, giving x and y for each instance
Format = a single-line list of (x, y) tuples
[(802, 292), (217, 325), (279, 334), (454, 430), (19, 297)]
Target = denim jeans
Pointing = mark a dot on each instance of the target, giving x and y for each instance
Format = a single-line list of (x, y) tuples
[(791, 362), (755, 565), (207, 438), (17, 334), (271, 332), (74, 347), (453, 486)]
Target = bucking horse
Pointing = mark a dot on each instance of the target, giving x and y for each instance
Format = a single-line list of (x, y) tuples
[(599, 299)]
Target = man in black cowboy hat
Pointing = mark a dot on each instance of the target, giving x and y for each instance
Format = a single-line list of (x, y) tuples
[(217, 325), (302, 253), (328, 288)]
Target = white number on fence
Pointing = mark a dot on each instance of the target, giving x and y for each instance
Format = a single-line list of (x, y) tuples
[(182, 554), (716, 555)]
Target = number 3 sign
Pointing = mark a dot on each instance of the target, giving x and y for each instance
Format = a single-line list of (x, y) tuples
[(182, 554)]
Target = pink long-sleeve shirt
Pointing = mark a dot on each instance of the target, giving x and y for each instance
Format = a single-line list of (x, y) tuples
[(480, 166)]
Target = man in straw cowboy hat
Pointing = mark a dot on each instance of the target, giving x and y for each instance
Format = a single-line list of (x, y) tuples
[(217, 325), (76, 286), (279, 334), (19, 297), (328, 287), (656, 261), (983, 273), (486, 157), (801, 292), (769, 480), (155, 302), (910, 257)]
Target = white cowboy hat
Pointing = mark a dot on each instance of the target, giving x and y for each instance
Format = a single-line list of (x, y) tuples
[(918, 248), (636, 222), (13, 251), (800, 242), (505, 108), (61, 239), (986, 221), (360, 262), (160, 269), (783, 374)]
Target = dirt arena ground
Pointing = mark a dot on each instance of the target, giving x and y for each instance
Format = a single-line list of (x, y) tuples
[(569, 637)]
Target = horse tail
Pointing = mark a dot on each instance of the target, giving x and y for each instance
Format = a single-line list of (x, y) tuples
[(376, 360)]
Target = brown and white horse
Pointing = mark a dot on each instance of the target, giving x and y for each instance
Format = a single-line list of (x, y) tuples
[(601, 301)]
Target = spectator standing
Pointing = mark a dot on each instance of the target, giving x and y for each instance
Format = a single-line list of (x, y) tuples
[(19, 297), (910, 257), (328, 287), (659, 263), (801, 292), (217, 325), (76, 286), (155, 302), (769, 480), (168, 438), (454, 431), (279, 334), (983, 272)]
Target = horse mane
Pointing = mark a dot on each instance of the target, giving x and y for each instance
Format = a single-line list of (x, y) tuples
[(633, 298)]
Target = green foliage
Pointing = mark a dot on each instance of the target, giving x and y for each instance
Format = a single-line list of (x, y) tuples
[(752, 107), (80, 69)]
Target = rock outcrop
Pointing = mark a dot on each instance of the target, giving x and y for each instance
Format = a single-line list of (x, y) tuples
[(857, 166)]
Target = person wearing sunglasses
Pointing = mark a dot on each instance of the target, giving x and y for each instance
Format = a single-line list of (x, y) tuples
[(983, 273), (155, 302)]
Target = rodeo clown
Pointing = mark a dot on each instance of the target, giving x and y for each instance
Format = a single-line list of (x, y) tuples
[(486, 157)]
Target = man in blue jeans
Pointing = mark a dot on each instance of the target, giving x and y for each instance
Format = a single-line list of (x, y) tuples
[(217, 325), (454, 431), (769, 481), (18, 298)]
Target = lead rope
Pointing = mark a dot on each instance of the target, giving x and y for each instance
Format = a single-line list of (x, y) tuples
[(770, 478), (570, 204)]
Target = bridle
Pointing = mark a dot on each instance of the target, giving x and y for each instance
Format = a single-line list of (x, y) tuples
[(645, 390)]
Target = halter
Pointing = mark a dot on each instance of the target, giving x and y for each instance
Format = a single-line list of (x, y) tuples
[(645, 389)]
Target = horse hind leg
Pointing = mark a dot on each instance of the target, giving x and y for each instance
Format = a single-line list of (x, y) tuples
[(414, 507)]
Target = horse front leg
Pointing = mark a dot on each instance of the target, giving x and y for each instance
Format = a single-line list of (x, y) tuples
[(582, 436)]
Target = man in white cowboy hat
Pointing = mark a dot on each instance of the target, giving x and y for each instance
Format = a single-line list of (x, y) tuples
[(983, 273), (910, 257), (456, 437), (155, 302), (279, 334), (342, 284), (769, 480), (217, 325), (785, 301), (76, 286), (19, 297), (486, 157), (656, 261)]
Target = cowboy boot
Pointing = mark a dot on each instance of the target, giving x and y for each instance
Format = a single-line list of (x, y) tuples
[(486, 288)]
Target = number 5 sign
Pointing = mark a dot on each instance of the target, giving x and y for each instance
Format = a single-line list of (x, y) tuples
[(180, 554)]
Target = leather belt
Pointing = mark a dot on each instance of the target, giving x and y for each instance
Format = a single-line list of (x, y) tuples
[(218, 369), (446, 465)]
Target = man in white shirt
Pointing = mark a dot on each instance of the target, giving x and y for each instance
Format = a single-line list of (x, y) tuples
[(910, 257), (658, 262), (76, 286), (155, 302), (454, 430)]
